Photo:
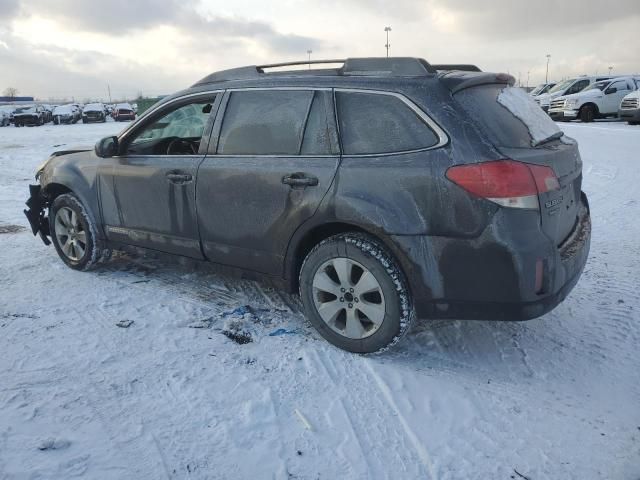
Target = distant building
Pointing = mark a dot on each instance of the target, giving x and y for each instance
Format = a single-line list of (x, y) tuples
[(16, 99)]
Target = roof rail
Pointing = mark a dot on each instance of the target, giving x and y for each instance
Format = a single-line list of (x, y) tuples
[(457, 66), (373, 66)]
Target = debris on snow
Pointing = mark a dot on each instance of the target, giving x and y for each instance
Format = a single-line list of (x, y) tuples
[(124, 323), (11, 229), (303, 419), (282, 331), (54, 444)]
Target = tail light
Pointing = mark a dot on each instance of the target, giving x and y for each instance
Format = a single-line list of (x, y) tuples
[(506, 182)]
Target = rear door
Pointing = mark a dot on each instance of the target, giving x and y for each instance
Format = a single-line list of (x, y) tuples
[(275, 158)]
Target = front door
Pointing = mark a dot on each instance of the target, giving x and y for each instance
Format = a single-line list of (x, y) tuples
[(613, 98), (148, 191), (275, 158)]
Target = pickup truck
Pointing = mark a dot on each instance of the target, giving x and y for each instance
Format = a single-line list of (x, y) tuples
[(568, 87), (630, 108), (599, 100)]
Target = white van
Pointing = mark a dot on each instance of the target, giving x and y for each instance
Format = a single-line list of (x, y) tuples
[(568, 87), (602, 99)]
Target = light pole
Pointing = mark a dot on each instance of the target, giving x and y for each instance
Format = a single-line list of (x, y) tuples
[(387, 45), (610, 68), (528, 72), (309, 52), (546, 77)]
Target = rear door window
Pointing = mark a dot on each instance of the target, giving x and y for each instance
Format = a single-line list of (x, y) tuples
[(266, 122), (373, 123)]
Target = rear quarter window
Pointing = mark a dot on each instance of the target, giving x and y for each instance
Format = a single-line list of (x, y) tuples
[(373, 123)]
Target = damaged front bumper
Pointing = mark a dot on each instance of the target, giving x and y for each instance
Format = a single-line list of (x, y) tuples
[(37, 204)]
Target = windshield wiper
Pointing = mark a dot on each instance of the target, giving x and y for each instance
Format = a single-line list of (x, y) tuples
[(550, 138)]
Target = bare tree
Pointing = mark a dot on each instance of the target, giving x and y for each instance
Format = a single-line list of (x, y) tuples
[(11, 92)]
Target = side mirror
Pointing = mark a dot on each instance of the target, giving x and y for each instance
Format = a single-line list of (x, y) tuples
[(107, 147), (611, 90)]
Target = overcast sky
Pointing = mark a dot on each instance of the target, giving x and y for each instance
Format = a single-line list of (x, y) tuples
[(64, 48)]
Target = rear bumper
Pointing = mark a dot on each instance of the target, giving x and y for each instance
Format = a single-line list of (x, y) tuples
[(493, 277), (629, 115)]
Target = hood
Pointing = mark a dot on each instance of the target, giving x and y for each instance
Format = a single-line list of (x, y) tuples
[(635, 94), (593, 93), (75, 149)]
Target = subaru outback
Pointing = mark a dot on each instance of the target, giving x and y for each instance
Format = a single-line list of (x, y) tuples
[(381, 190)]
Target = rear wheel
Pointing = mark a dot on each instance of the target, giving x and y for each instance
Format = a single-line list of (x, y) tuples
[(354, 293), (587, 113), (73, 233)]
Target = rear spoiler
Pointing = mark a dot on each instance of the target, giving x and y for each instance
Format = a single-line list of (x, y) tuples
[(460, 80), (462, 67)]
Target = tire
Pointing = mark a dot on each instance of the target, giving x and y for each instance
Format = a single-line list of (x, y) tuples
[(73, 213), (587, 113), (387, 301)]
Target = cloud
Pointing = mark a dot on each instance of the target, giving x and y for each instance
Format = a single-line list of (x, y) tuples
[(519, 19), (128, 17), (9, 9)]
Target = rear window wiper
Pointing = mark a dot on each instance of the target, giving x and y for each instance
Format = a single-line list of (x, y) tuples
[(550, 138)]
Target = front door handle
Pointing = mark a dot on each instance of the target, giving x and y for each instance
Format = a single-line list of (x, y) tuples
[(179, 178), (299, 179)]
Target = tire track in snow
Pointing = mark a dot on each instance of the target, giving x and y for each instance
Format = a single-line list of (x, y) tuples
[(415, 441)]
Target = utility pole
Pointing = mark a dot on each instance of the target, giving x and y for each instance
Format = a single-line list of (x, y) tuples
[(387, 45), (528, 72), (546, 77), (109, 90), (309, 52)]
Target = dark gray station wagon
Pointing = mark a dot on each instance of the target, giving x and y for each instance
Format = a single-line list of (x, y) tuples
[(382, 190)]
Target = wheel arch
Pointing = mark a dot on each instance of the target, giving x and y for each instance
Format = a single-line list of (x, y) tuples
[(591, 104), (304, 242)]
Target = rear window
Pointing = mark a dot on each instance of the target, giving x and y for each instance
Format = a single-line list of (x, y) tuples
[(376, 123), (508, 115)]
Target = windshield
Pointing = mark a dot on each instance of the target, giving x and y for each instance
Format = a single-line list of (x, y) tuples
[(62, 109), (26, 110), (562, 86), (94, 106), (538, 89)]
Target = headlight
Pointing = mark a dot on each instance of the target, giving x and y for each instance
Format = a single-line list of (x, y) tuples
[(40, 168)]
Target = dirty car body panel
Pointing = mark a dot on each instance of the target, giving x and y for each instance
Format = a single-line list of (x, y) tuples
[(464, 255)]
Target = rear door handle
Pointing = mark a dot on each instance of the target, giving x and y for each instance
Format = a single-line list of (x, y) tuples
[(179, 178), (299, 179)]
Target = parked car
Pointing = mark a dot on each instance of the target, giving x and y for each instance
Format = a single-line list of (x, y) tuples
[(48, 113), (542, 88), (5, 119), (123, 112), (94, 112), (65, 114), (278, 174), (568, 87), (601, 99), (32, 115), (629, 110)]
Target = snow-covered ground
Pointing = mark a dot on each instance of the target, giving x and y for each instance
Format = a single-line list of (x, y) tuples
[(172, 397)]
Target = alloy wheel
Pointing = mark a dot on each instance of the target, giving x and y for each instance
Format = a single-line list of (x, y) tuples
[(348, 298), (70, 234)]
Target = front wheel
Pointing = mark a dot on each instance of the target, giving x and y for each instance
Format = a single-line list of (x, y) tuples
[(587, 113), (73, 232), (354, 293)]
